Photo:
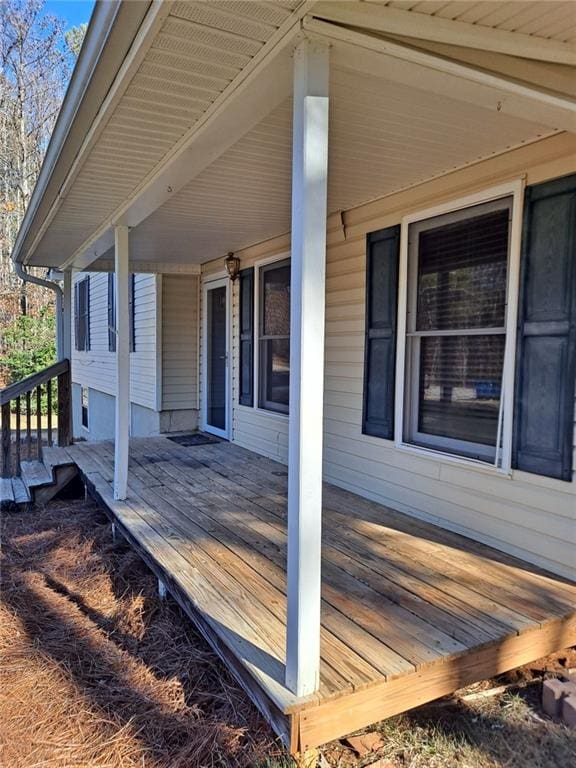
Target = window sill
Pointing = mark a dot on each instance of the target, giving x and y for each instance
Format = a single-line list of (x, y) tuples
[(448, 458), (266, 412)]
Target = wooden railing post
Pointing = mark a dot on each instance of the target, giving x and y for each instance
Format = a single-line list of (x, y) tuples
[(64, 409), (6, 443)]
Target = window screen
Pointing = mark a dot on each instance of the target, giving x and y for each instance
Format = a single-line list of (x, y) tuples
[(456, 330)]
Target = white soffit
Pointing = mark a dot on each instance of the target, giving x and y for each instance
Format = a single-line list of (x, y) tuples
[(383, 137), (200, 49), (550, 20)]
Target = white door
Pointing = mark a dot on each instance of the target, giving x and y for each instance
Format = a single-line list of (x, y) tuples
[(216, 373)]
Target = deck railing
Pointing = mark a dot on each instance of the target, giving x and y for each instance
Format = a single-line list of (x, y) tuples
[(34, 411)]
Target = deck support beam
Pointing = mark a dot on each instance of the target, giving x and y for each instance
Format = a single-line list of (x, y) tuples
[(307, 309), (122, 413)]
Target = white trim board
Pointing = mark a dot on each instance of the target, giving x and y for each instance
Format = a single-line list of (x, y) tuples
[(216, 282)]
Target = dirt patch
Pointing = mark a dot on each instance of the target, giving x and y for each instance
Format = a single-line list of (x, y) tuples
[(96, 671)]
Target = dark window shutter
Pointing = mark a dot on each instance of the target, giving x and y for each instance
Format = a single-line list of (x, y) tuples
[(382, 255), (111, 313), (87, 314), (246, 383), (131, 305), (546, 354), (77, 316)]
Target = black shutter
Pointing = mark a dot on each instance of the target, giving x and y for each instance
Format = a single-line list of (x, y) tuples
[(111, 313), (77, 316), (546, 356), (382, 255), (246, 383), (86, 284), (131, 305)]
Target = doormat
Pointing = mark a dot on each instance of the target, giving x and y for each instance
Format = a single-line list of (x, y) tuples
[(194, 438)]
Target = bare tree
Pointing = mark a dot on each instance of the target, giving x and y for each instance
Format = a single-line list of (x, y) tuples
[(36, 58)]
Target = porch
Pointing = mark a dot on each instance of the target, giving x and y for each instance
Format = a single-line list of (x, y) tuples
[(410, 612)]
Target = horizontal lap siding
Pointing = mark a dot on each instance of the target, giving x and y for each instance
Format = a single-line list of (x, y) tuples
[(533, 517), (96, 368), (179, 342), (261, 431)]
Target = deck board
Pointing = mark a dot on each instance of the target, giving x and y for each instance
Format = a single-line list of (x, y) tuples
[(408, 609)]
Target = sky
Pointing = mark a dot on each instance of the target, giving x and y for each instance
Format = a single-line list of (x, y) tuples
[(74, 12)]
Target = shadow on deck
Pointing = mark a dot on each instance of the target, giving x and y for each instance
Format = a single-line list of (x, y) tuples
[(410, 611)]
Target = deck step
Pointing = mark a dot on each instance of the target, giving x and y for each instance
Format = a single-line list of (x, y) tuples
[(21, 494), (6, 492), (35, 474), (54, 457)]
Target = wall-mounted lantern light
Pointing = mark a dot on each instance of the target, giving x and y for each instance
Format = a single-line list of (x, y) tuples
[(232, 264)]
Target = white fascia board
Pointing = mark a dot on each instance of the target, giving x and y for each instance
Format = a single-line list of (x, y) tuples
[(101, 23), (402, 64), (421, 26), (263, 85)]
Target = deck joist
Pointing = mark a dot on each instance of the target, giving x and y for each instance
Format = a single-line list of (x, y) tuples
[(410, 611)]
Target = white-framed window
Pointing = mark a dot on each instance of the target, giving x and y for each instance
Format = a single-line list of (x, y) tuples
[(272, 322), (457, 327), (84, 407)]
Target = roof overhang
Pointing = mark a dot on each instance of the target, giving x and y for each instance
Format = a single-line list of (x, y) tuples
[(111, 32), (249, 113)]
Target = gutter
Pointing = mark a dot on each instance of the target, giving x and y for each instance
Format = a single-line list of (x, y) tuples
[(99, 28)]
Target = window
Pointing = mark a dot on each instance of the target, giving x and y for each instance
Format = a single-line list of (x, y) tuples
[(84, 406), (112, 312), (274, 336), (82, 314), (456, 330)]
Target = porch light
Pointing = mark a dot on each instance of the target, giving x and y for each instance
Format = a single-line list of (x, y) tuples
[(232, 264)]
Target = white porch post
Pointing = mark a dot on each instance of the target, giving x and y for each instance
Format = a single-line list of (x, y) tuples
[(308, 264), (122, 420), (67, 315)]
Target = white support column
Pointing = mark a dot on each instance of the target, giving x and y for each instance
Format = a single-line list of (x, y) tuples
[(308, 264), (67, 315), (122, 421)]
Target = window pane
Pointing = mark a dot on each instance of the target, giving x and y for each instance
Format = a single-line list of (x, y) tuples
[(275, 373), (459, 388), (462, 274), (276, 301)]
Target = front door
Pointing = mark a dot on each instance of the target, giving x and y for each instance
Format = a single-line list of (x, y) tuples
[(216, 357)]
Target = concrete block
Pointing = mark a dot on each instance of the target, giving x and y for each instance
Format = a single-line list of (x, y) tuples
[(553, 691), (569, 710)]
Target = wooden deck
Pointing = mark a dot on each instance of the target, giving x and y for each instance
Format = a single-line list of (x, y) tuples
[(410, 612)]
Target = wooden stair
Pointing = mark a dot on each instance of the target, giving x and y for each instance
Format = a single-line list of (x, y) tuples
[(40, 481)]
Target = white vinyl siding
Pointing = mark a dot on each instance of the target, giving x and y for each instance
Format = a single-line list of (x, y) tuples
[(179, 342), (96, 368), (530, 516)]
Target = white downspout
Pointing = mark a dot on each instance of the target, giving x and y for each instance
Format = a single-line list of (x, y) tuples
[(28, 278)]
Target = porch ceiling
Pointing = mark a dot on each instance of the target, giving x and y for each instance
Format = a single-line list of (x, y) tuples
[(545, 20), (384, 137), (192, 150), (197, 51)]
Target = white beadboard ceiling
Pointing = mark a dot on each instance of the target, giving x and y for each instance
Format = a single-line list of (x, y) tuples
[(384, 136), (200, 49), (551, 20)]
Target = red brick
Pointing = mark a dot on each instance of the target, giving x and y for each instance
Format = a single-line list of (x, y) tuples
[(569, 711)]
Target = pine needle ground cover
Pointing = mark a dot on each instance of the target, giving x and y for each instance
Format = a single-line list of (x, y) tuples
[(96, 671)]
